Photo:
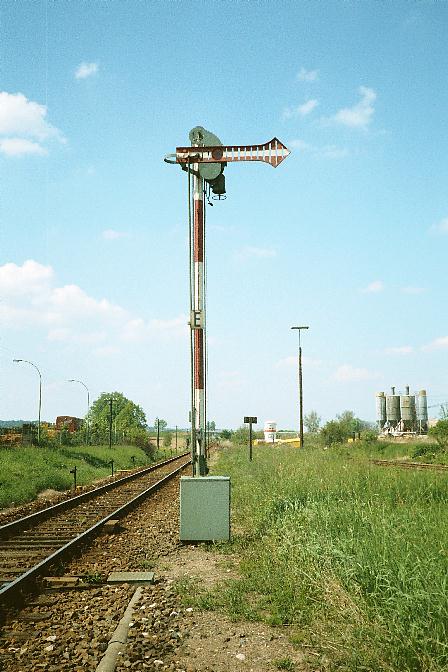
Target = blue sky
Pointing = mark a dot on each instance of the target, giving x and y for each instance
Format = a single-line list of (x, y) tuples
[(349, 235)]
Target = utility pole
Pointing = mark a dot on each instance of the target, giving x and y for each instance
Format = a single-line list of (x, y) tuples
[(300, 388), (110, 423), (204, 161), (176, 439), (158, 434)]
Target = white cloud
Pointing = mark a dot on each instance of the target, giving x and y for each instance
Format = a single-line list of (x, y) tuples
[(31, 277), (333, 152), (323, 152), (255, 253), (441, 227), (350, 374), (302, 110), (21, 146), (85, 70), (111, 234), (440, 343), (400, 350), (136, 329), (299, 144), (20, 120), (305, 75), (107, 351), (412, 290), (61, 334), (307, 107), (20, 116), (31, 299), (360, 115), (373, 287)]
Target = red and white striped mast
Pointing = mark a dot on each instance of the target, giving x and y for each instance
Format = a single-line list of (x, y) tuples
[(205, 160), (197, 324)]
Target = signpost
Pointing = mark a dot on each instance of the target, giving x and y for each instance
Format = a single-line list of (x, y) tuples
[(250, 420)]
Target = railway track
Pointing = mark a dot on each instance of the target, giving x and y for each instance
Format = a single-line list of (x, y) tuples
[(29, 546), (404, 464)]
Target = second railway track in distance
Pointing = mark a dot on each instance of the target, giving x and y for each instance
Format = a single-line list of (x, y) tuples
[(411, 465), (31, 545)]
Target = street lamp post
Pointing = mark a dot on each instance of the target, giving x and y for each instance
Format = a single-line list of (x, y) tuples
[(72, 380), (26, 361), (299, 329)]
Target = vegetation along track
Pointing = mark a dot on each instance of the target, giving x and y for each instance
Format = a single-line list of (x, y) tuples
[(411, 465), (30, 545)]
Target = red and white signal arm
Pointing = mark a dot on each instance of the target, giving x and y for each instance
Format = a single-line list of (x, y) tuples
[(272, 152)]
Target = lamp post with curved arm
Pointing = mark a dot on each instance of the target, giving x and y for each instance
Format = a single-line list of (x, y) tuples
[(73, 380), (26, 361)]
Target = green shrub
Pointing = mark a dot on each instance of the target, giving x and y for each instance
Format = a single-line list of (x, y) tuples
[(440, 433), (427, 450), (241, 435), (334, 432), (369, 436)]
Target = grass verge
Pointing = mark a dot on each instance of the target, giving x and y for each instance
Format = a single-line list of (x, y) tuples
[(26, 471), (353, 557)]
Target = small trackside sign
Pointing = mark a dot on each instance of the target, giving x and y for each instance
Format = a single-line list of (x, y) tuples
[(197, 319), (251, 420)]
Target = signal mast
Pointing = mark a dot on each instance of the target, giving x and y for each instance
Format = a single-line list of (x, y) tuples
[(204, 161)]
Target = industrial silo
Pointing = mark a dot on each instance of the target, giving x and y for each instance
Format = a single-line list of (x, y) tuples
[(393, 409), (421, 402), (381, 409), (407, 409)]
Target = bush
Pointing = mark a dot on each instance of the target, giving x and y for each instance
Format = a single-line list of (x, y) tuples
[(240, 435), (167, 437), (427, 450), (334, 432), (440, 433), (369, 436)]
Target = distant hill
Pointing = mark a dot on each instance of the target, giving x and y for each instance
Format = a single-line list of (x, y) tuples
[(13, 423)]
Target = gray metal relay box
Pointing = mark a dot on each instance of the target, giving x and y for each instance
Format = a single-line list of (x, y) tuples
[(205, 508)]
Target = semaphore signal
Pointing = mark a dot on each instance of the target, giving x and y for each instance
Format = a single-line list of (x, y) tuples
[(204, 161), (272, 152)]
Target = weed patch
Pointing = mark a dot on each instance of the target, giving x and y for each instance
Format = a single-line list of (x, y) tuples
[(28, 470), (350, 555)]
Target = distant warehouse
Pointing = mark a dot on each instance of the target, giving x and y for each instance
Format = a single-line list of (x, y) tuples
[(69, 423)]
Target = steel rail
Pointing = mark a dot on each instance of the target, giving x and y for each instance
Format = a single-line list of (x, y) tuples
[(16, 525), (13, 594), (411, 465)]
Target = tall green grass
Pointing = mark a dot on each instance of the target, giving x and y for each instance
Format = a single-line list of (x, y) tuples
[(353, 556), (26, 471)]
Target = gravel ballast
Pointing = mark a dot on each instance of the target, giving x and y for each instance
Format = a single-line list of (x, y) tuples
[(69, 630)]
